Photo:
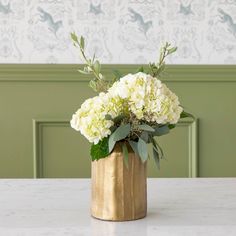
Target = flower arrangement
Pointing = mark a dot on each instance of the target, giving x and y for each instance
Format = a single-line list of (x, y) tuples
[(129, 110)]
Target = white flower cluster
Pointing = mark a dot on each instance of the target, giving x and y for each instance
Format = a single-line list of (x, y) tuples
[(148, 98), (140, 94), (90, 118)]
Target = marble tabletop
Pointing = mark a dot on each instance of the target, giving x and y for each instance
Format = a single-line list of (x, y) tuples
[(180, 207)]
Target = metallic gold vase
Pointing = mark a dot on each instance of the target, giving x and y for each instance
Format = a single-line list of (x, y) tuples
[(119, 193)]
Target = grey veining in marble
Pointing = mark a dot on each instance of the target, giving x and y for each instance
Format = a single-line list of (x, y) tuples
[(61, 207)]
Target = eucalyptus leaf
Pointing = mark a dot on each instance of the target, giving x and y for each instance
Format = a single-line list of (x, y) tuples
[(161, 130), (120, 133), (145, 136), (158, 148), (155, 148), (155, 152), (156, 157), (125, 154), (146, 127), (111, 143), (134, 146), (142, 150)]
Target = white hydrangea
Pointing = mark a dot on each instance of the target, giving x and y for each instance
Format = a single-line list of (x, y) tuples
[(90, 118), (138, 94), (148, 98)]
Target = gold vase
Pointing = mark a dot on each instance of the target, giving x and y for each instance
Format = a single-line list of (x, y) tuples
[(119, 193)]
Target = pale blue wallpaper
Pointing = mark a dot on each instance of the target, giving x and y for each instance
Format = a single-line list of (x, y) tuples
[(119, 31)]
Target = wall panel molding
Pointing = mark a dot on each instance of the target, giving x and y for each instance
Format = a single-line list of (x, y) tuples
[(69, 73), (192, 125), (38, 90), (39, 124)]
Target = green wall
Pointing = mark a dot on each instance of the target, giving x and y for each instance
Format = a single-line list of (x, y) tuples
[(37, 102)]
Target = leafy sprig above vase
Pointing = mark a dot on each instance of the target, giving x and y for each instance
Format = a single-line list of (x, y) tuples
[(130, 111)]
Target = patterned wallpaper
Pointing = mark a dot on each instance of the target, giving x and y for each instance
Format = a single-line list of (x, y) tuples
[(119, 31)]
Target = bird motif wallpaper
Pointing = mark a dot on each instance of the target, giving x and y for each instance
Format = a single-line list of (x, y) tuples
[(118, 31)]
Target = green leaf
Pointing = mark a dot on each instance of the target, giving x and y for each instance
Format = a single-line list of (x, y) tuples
[(158, 148), (156, 157), (126, 155), (155, 153), (134, 146), (97, 66), (119, 118), (172, 50), (81, 42), (145, 136), (161, 130), (161, 68), (141, 69), (185, 115), (74, 37), (160, 151), (142, 150), (83, 72), (117, 74), (146, 127), (171, 126), (120, 133), (93, 85), (112, 128), (108, 117), (99, 150)]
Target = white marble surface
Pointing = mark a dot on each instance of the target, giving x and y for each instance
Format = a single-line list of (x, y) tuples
[(61, 207)]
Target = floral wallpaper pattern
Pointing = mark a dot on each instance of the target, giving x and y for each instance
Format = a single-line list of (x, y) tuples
[(118, 31)]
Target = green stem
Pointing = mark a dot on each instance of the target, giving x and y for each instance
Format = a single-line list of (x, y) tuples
[(88, 63), (163, 56)]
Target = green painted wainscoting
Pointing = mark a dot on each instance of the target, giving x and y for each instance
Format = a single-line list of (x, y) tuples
[(37, 101)]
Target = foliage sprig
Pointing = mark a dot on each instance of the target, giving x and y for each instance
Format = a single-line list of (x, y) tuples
[(92, 67), (159, 67), (127, 130)]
